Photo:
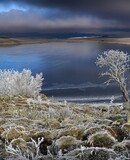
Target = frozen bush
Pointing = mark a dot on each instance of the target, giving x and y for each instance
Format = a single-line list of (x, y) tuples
[(20, 83), (32, 153)]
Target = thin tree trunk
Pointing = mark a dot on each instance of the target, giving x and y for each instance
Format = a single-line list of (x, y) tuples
[(124, 93)]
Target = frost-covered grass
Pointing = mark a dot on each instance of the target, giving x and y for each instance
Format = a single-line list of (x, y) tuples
[(29, 154), (20, 83), (25, 118)]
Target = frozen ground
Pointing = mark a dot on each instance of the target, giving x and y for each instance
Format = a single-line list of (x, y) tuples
[(44, 129)]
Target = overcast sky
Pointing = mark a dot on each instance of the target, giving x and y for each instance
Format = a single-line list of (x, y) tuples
[(65, 15)]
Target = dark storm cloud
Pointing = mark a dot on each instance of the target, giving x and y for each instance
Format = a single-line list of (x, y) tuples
[(110, 9), (66, 14), (16, 20), (104, 8)]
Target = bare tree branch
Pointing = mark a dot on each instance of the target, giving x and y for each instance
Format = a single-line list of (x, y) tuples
[(115, 63)]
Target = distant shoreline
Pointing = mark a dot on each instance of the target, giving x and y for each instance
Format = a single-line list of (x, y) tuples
[(19, 41)]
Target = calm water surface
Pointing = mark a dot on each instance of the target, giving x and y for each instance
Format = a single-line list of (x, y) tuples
[(69, 68)]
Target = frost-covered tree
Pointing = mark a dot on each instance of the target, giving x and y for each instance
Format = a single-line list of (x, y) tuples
[(20, 83), (115, 64)]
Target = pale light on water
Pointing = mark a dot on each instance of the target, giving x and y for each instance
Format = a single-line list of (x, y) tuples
[(69, 68)]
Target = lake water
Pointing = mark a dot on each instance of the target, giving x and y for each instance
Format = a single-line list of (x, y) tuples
[(69, 68)]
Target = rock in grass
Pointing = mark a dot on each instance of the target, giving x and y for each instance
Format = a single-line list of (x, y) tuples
[(91, 131), (67, 143), (117, 133), (92, 153), (101, 139), (72, 131)]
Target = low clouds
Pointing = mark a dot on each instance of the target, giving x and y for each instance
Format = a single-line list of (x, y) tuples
[(73, 15), (16, 20)]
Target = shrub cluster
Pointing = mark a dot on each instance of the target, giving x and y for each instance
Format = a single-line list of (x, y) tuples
[(20, 83)]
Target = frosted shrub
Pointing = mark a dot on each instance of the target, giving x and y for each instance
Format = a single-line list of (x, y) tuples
[(20, 83), (17, 153)]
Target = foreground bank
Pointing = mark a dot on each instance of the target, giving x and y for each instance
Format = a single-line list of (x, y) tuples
[(40, 128)]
